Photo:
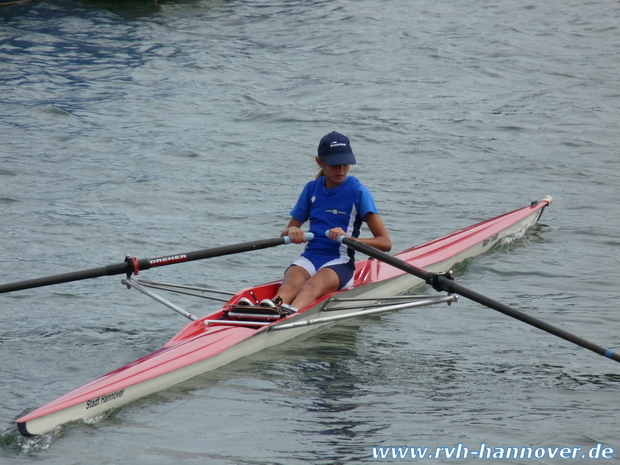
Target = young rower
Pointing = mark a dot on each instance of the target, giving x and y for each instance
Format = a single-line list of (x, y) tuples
[(336, 202)]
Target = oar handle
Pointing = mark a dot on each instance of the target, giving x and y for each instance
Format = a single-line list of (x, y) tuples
[(309, 237), (134, 265)]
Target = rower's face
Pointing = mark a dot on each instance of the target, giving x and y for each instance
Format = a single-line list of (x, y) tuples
[(334, 174)]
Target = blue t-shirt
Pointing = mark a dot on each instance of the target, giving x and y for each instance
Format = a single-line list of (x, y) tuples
[(344, 206)]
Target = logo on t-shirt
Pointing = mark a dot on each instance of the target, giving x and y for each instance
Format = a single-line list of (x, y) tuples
[(335, 212)]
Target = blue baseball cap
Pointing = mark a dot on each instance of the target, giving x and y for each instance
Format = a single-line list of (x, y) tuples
[(335, 149)]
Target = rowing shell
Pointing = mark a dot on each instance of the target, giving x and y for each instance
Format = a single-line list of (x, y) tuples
[(220, 338)]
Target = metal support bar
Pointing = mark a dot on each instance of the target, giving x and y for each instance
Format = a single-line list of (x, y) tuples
[(236, 323), (129, 282), (374, 311), (394, 297), (331, 305), (182, 289)]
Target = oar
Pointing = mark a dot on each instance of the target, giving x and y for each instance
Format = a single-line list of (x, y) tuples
[(133, 265), (442, 283)]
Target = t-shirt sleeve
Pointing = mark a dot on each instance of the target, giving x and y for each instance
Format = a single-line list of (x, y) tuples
[(366, 202), (301, 210)]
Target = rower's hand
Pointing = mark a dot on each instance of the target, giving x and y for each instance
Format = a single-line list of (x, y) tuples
[(335, 233), (297, 235)]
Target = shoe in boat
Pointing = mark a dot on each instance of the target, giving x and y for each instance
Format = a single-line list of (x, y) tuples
[(244, 301), (284, 308), (288, 308)]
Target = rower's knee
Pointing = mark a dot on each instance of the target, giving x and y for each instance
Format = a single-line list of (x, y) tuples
[(319, 285)]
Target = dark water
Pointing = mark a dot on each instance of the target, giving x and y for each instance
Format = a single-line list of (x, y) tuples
[(155, 128)]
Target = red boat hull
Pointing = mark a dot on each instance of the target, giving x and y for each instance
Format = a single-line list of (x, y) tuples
[(201, 347)]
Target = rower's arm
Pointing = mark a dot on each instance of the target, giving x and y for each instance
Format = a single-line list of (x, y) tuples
[(381, 239)]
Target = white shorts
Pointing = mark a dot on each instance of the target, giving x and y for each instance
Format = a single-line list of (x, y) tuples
[(341, 266)]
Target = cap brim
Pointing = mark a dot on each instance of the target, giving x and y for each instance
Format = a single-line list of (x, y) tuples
[(339, 159)]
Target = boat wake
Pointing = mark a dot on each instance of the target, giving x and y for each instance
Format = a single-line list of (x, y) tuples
[(517, 239), (13, 443)]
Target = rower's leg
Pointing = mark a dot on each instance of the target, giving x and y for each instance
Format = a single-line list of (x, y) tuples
[(323, 282), (293, 279)]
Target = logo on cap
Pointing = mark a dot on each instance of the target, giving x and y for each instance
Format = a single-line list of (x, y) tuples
[(335, 149)]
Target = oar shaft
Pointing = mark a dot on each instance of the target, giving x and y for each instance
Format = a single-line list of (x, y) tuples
[(109, 270), (387, 258), (133, 266), (147, 263), (451, 286)]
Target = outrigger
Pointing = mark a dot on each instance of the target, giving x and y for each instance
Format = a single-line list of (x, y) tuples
[(235, 331)]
